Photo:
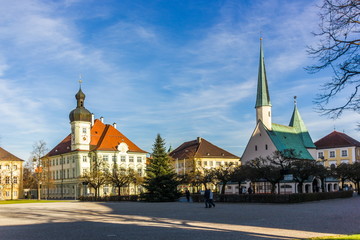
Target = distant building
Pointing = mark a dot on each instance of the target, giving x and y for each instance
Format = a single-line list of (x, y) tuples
[(199, 154), (269, 137), (11, 176), (90, 140), (336, 148)]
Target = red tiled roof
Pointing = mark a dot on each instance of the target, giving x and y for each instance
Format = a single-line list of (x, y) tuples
[(336, 140), (200, 148), (6, 156), (103, 138)]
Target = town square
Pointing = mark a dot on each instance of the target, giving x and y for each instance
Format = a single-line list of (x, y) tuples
[(138, 119)]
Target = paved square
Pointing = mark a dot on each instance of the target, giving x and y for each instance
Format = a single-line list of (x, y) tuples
[(135, 220)]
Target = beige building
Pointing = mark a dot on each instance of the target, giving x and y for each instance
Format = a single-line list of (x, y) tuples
[(90, 140), (11, 176), (198, 155)]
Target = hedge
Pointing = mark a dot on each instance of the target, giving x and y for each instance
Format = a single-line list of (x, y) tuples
[(133, 198), (275, 198)]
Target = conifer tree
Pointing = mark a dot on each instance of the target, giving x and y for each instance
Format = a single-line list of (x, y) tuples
[(160, 180)]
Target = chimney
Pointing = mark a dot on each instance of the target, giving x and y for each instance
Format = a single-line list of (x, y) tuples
[(102, 119), (92, 119), (199, 139), (114, 125)]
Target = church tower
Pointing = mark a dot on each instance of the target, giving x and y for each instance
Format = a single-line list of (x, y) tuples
[(263, 104), (80, 120)]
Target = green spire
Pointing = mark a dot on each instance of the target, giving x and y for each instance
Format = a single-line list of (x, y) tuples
[(298, 124), (263, 97)]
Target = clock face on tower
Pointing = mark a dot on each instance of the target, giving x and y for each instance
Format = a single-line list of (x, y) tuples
[(84, 138)]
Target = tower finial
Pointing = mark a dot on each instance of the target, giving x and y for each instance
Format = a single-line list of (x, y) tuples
[(261, 38), (80, 80), (295, 100)]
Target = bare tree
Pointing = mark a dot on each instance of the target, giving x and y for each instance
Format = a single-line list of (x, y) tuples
[(338, 49), (120, 177), (224, 174), (97, 175), (39, 164)]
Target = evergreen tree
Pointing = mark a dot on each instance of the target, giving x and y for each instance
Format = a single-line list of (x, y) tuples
[(160, 180)]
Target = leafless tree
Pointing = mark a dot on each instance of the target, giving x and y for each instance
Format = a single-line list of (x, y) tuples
[(39, 164), (338, 49)]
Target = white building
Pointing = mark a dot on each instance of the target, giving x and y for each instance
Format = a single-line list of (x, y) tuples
[(269, 137), (90, 140)]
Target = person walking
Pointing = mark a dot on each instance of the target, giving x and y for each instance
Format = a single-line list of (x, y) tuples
[(206, 197), (211, 199), (187, 194)]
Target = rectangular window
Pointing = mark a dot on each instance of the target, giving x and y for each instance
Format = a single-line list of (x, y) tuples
[(84, 130), (218, 163), (211, 163), (332, 154), (123, 158), (7, 167), (68, 173), (15, 167), (15, 193), (7, 193), (131, 158), (57, 174), (7, 180), (73, 159), (84, 158), (73, 170), (139, 159), (106, 157), (67, 160), (114, 158), (139, 171), (344, 153), (320, 155), (255, 147), (15, 180), (57, 161), (0, 166), (205, 163)]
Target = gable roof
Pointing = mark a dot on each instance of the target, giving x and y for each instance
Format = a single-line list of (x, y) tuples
[(287, 137), (6, 156), (104, 137), (200, 148), (335, 140)]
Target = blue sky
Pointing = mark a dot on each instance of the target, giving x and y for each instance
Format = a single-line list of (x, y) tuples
[(180, 68)]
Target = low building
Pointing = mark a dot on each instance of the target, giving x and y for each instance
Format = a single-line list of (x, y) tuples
[(336, 148), (200, 154), (11, 176)]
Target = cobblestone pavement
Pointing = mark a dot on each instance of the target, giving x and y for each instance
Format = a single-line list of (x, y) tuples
[(135, 220)]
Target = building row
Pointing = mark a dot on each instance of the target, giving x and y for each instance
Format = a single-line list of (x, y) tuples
[(91, 140)]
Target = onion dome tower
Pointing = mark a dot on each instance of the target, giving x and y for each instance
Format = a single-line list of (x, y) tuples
[(80, 120)]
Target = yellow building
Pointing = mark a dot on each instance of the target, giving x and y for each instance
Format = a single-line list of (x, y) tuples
[(11, 176), (336, 148), (198, 155)]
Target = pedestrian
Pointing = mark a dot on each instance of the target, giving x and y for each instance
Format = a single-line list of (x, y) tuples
[(211, 199), (187, 194), (250, 190), (206, 197)]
